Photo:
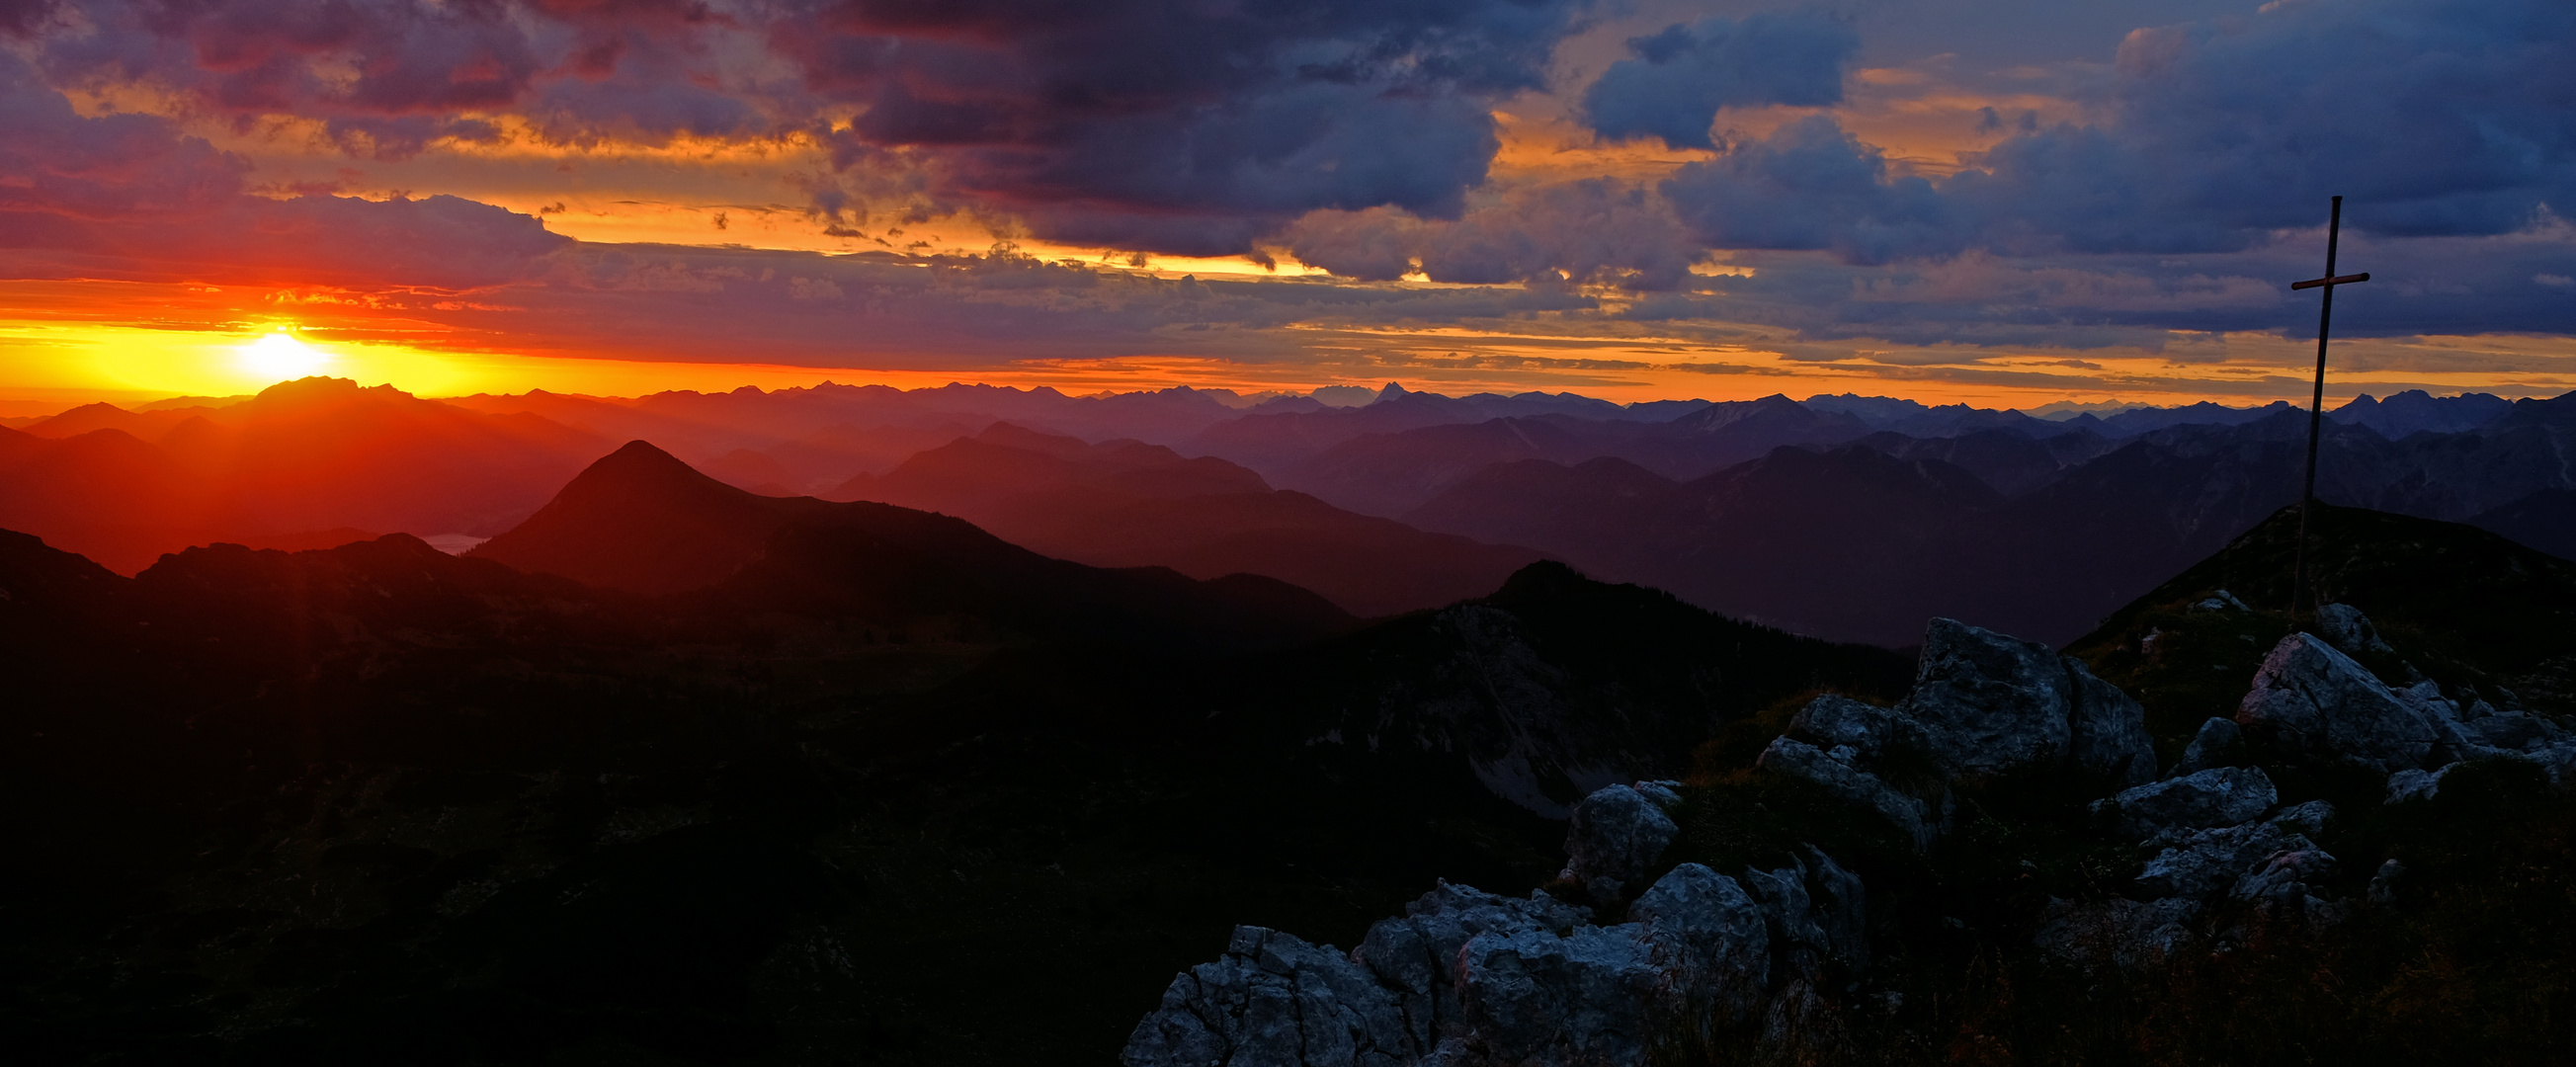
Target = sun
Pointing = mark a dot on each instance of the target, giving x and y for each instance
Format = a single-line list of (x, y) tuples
[(280, 356)]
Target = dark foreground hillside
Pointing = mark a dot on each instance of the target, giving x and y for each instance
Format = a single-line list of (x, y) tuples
[(2344, 838), (378, 804)]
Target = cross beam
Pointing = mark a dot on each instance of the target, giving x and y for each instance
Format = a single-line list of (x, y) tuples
[(2317, 399)]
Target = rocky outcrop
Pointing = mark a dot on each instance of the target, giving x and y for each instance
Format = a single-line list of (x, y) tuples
[(1470, 978), (2201, 864), (1841, 774), (1992, 705), (1983, 705), (2312, 702), (1275, 1000), (1702, 961), (2220, 796), (2218, 744), (1614, 838)]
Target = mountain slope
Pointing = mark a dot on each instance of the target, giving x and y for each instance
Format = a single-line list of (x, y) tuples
[(641, 521), (1127, 504)]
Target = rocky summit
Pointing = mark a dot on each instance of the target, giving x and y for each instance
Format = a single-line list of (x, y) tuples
[(1639, 953)]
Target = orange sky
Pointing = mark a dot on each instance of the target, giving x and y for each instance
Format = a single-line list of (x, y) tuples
[(707, 261)]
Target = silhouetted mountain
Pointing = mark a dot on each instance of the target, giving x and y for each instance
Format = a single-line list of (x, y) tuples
[(312, 455), (1274, 442), (641, 521), (1392, 473), (1126, 504), (146, 425), (1915, 419), (2010, 462), (2415, 411), (1834, 543)]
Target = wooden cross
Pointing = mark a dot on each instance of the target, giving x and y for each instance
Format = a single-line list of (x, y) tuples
[(2317, 400)]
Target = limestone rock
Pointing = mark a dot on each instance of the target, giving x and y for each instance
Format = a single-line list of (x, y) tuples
[(2286, 875), (1273, 1001), (1536, 998), (1416, 956), (2221, 601), (2219, 743), (2220, 796), (2315, 703), (2383, 885), (1990, 704), (2200, 864), (1842, 910), (1789, 912), (2345, 627), (1835, 721), (2414, 784), (1708, 942), (1918, 819), (1613, 840), (2108, 729)]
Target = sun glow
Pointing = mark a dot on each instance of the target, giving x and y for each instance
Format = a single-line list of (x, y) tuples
[(281, 356)]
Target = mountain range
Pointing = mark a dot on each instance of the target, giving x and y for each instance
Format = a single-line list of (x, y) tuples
[(1878, 512)]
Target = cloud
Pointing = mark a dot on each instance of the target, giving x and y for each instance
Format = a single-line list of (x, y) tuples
[(1595, 231), (131, 196), (1177, 126), (2434, 118), (1684, 75), (388, 77), (119, 166)]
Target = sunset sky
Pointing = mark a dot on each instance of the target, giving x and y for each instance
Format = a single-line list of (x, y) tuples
[(2009, 202)]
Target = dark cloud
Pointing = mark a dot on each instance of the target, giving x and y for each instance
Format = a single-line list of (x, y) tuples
[(387, 77), (1810, 185), (1683, 76), (1179, 126), (2434, 117), (129, 196), (119, 166), (1593, 231)]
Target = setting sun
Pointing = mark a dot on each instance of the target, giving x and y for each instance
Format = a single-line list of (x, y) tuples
[(280, 355)]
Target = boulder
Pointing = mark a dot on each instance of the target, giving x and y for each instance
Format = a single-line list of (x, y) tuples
[(1614, 839), (2311, 702), (1709, 944), (2414, 784), (2218, 744), (1416, 956), (1544, 1000), (2346, 628), (2220, 796), (2200, 864), (1834, 721), (1842, 910), (1990, 704), (2108, 729), (2221, 601), (1274, 1001), (1790, 914), (1920, 820)]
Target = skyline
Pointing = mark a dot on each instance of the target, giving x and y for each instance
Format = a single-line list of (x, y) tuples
[(2004, 204)]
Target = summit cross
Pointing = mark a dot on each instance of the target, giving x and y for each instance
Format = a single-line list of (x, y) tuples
[(2317, 399)]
